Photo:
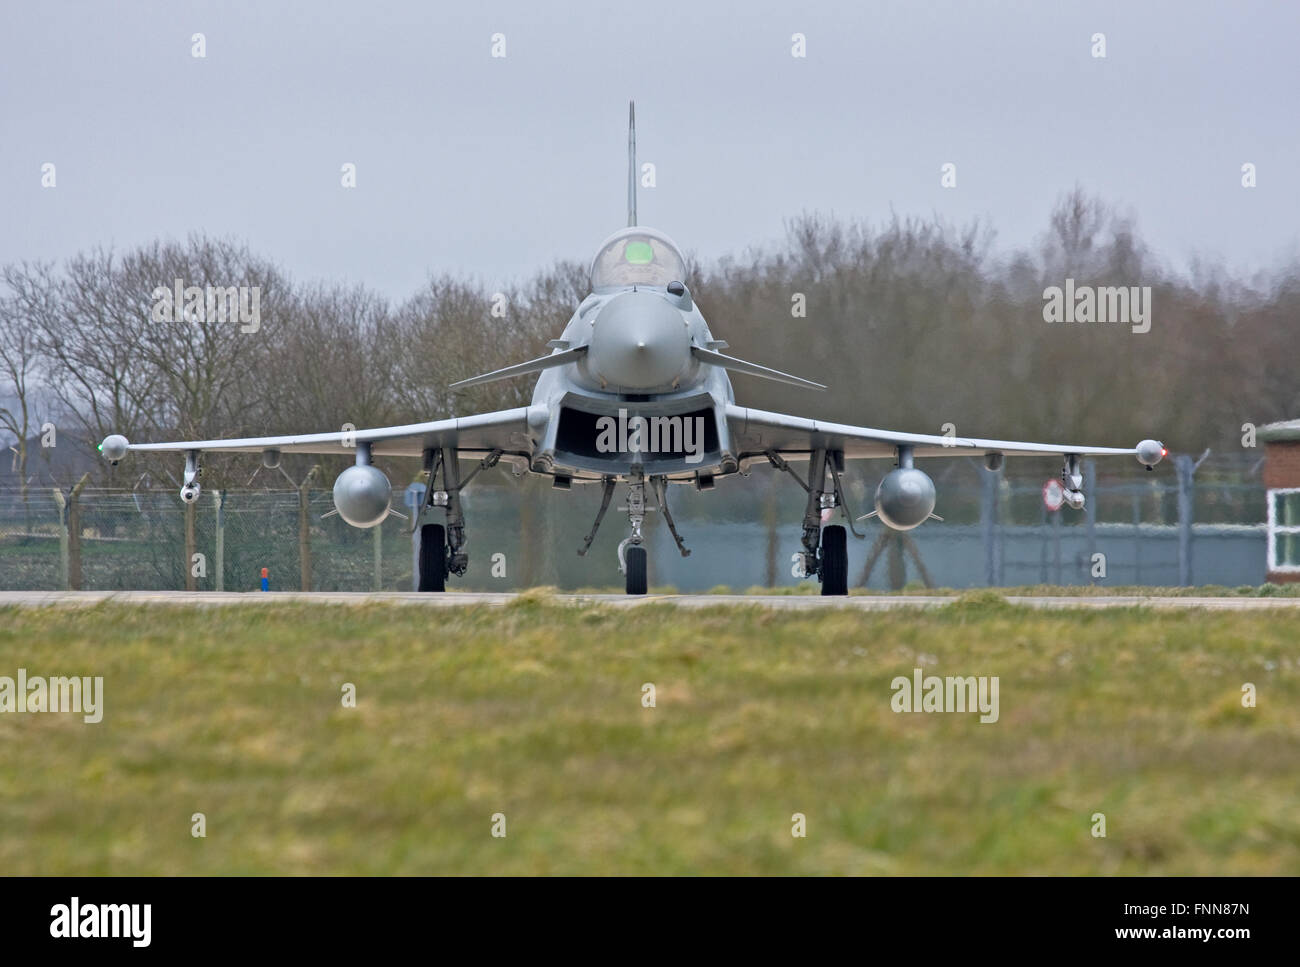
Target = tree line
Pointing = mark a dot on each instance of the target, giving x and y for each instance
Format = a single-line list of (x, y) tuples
[(913, 324)]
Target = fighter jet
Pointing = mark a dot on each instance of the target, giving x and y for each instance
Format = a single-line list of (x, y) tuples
[(635, 392)]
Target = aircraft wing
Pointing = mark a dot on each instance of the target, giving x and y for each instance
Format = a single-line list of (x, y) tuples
[(505, 430), (754, 432)]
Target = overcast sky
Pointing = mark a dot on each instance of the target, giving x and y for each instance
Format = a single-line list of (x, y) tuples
[(496, 166)]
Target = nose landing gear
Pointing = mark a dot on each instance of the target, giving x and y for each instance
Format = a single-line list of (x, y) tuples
[(632, 556), (632, 561)]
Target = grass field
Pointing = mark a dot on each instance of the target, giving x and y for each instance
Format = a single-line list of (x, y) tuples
[(534, 710)]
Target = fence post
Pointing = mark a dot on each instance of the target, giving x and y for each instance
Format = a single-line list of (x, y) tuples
[(988, 523), (1090, 513), (1137, 537), (62, 504), (191, 542), (529, 535), (219, 503), (415, 555), (74, 535), (304, 527), (895, 563), (1056, 547), (1186, 468), (773, 544)]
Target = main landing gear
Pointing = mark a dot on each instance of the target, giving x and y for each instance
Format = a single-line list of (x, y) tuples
[(825, 549), (442, 548)]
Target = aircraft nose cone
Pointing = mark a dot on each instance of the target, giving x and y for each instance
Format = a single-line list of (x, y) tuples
[(639, 342)]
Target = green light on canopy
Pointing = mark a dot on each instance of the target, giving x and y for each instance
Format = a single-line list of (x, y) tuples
[(100, 448), (638, 253)]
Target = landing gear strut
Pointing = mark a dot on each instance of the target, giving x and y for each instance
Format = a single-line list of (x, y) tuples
[(607, 494), (631, 554), (632, 562), (660, 485), (825, 550), (442, 549)]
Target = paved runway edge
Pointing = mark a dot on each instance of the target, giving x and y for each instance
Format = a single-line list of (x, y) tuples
[(36, 599)]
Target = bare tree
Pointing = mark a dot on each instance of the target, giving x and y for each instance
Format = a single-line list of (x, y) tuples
[(89, 332), (28, 292), (913, 323)]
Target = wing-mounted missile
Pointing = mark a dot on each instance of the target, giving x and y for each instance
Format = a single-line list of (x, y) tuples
[(115, 447), (1072, 481), (190, 489)]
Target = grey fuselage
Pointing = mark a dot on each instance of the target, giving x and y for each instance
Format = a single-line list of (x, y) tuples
[(638, 364)]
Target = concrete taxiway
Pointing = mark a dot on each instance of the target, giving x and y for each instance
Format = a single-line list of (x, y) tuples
[(872, 602)]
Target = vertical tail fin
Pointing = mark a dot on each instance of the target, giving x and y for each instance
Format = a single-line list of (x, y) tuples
[(631, 163)]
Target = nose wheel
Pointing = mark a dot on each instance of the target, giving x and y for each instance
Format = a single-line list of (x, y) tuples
[(635, 570), (631, 553)]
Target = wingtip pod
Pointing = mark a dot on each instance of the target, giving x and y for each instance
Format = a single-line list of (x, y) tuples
[(114, 447), (1151, 452)]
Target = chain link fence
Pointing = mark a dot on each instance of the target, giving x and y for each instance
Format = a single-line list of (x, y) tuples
[(1199, 524)]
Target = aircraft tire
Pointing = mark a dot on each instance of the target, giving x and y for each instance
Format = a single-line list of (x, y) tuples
[(636, 570), (835, 561), (433, 558)]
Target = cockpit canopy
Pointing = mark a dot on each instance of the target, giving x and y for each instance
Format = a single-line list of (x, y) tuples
[(637, 256)]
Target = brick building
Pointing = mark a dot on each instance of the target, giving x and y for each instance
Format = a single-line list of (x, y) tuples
[(1282, 489)]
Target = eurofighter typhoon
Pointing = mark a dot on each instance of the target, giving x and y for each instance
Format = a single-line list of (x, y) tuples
[(635, 392)]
